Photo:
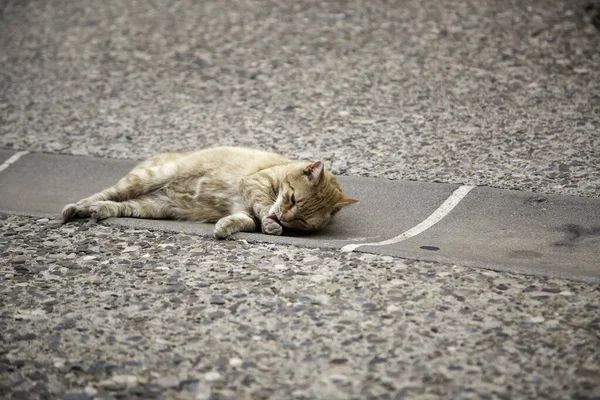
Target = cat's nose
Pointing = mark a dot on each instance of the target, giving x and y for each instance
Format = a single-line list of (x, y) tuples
[(274, 217), (286, 216)]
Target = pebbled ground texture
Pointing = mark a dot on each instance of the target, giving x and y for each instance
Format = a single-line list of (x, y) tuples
[(497, 93), (93, 310)]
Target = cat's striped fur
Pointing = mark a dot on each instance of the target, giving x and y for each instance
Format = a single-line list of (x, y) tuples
[(240, 189)]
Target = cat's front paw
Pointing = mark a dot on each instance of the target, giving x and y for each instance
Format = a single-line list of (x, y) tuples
[(224, 227), (271, 227)]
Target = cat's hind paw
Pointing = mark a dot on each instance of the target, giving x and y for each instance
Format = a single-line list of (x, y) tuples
[(271, 227), (71, 211), (103, 209)]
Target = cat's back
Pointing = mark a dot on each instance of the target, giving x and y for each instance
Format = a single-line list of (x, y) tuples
[(235, 160)]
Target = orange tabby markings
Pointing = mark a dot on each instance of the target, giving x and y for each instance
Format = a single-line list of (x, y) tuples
[(239, 189)]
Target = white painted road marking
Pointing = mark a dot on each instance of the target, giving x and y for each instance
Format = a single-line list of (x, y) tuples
[(12, 160), (433, 219)]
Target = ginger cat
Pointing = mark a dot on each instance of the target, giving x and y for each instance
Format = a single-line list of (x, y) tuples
[(240, 189)]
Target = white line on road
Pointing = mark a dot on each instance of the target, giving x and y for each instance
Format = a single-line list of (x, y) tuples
[(433, 219), (12, 159)]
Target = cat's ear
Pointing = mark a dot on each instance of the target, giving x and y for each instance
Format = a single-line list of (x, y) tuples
[(345, 201), (315, 171)]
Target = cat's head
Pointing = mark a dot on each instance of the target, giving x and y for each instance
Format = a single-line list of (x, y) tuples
[(308, 198)]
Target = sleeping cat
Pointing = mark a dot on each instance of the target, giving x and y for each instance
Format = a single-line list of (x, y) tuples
[(240, 189)]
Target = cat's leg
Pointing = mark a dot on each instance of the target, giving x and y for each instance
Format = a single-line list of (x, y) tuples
[(260, 190), (143, 207), (261, 207), (147, 177), (75, 210), (238, 222), (81, 209)]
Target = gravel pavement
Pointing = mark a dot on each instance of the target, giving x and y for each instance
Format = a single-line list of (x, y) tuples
[(497, 93), (116, 312), (487, 92)]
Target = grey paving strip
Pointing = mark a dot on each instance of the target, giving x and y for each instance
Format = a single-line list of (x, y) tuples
[(5, 163), (490, 228), (5, 155)]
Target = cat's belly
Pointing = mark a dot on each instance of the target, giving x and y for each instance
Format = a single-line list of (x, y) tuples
[(203, 200)]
